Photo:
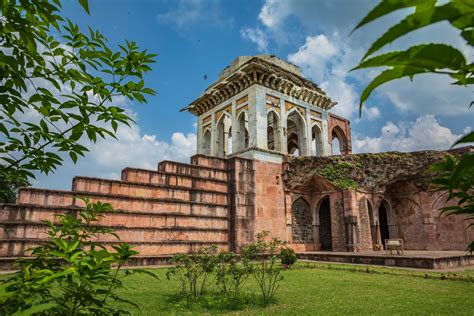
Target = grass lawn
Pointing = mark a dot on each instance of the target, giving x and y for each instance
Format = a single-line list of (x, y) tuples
[(310, 289)]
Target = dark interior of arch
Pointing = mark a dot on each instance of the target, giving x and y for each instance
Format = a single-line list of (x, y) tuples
[(302, 228)]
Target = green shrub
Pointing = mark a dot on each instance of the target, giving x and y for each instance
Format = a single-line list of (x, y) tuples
[(288, 256), (193, 271), (231, 273), (266, 269), (71, 273)]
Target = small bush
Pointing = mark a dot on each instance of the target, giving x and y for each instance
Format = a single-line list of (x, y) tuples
[(193, 271), (71, 273), (266, 270), (231, 274), (288, 256)]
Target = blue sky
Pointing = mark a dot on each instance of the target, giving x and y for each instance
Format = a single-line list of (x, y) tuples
[(194, 38)]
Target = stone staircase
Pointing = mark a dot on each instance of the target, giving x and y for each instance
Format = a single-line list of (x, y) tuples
[(177, 208)]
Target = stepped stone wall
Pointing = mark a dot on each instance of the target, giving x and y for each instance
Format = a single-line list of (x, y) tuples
[(181, 207)]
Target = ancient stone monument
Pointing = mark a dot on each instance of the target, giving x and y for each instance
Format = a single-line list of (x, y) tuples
[(265, 144)]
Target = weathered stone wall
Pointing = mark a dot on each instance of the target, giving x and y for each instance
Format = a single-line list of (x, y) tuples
[(359, 184)]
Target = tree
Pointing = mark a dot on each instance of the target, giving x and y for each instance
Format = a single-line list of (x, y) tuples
[(59, 87), (456, 176)]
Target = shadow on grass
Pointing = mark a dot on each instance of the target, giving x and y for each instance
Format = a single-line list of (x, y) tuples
[(216, 302)]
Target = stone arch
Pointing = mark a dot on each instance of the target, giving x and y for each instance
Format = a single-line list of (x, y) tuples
[(383, 220), (273, 131), (242, 131), (224, 130), (295, 133), (206, 142), (374, 228), (339, 141), (301, 227), (316, 141), (324, 224)]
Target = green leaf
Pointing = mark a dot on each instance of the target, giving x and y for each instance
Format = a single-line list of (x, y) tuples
[(428, 56), (424, 16), (35, 309), (85, 5), (384, 77), (385, 7), (469, 138)]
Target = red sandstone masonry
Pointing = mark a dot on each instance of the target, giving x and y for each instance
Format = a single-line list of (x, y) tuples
[(208, 161), (63, 198), (192, 170), (114, 187), (16, 248), (170, 179), (12, 230), (119, 218)]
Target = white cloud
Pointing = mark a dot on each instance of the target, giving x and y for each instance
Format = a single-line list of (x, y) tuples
[(256, 36), (425, 133), (188, 13), (372, 113), (107, 157), (313, 56)]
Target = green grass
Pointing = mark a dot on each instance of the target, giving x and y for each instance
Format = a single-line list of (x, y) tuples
[(323, 289)]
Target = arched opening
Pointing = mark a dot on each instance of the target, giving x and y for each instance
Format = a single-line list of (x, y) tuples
[(302, 228), (383, 222), (273, 131), (223, 134), (243, 132), (338, 141), (206, 143), (325, 231), (316, 141), (295, 134), (373, 227)]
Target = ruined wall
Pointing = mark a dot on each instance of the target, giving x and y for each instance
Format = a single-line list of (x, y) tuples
[(176, 208), (359, 184)]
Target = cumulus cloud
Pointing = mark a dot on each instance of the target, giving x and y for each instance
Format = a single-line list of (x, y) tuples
[(425, 132), (257, 36), (187, 13), (132, 148)]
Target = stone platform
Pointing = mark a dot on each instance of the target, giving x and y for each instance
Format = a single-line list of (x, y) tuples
[(435, 260)]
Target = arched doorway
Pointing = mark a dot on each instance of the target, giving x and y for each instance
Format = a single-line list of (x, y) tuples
[(373, 226), (325, 231), (383, 222), (206, 143), (339, 144), (316, 142), (223, 134), (243, 132), (302, 228), (273, 131), (295, 134)]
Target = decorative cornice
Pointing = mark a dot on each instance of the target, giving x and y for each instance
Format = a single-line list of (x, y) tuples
[(264, 73)]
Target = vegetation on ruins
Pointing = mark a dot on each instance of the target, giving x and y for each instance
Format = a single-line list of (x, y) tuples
[(59, 90), (72, 273), (260, 259), (9, 189), (456, 175)]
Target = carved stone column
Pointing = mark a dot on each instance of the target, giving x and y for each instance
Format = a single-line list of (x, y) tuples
[(351, 235)]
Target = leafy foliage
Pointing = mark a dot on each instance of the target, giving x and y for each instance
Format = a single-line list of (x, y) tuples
[(288, 256), (193, 271), (338, 172), (72, 273), (231, 274), (68, 82), (424, 58), (456, 176), (266, 271), (9, 189)]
